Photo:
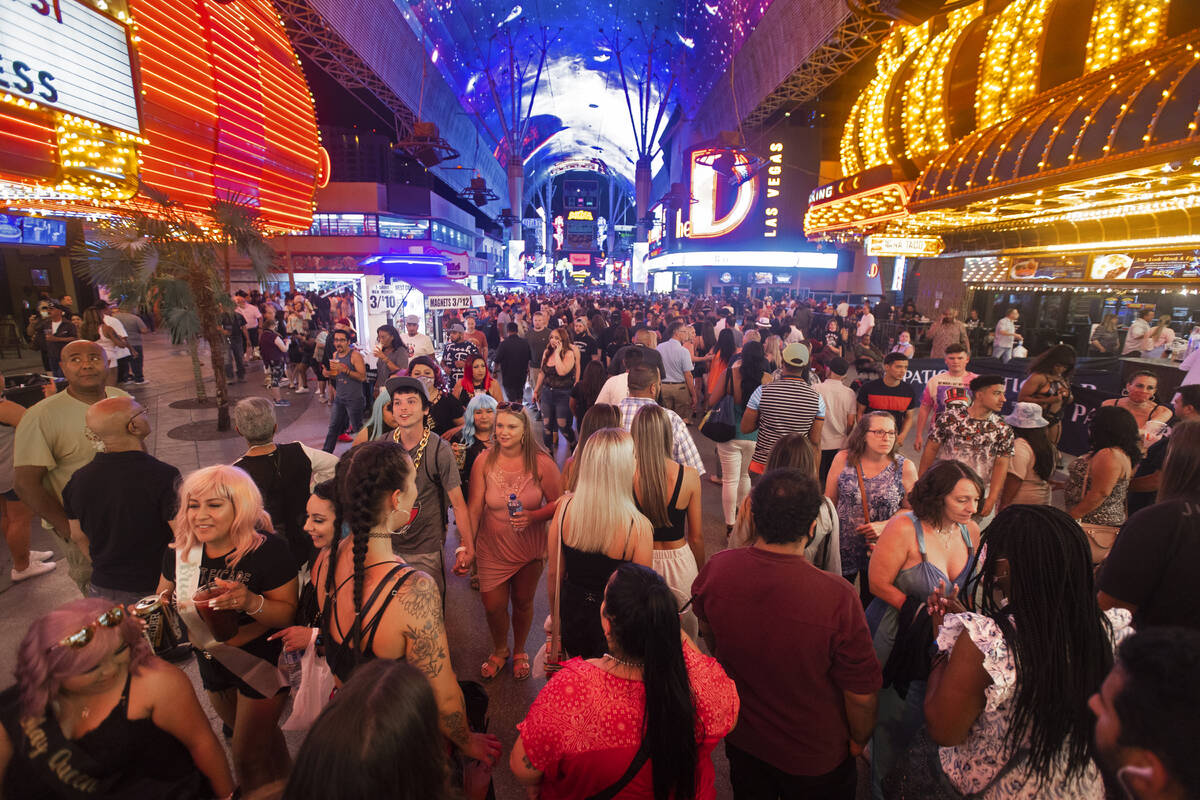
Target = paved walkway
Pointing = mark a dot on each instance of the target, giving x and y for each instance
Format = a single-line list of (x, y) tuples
[(169, 399)]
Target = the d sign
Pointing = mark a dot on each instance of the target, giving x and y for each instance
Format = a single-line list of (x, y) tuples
[(704, 222)]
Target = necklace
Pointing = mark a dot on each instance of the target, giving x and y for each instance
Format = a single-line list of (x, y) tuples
[(623, 662), (380, 535), (420, 448), (945, 537)]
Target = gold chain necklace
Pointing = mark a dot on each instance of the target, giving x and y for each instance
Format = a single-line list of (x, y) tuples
[(420, 448)]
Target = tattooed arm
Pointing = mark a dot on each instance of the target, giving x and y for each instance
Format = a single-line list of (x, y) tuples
[(426, 649), (523, 769)]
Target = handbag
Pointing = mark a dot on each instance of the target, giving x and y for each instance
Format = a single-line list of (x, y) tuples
[(1100, 538), (718, 424), (547, 661), (316, 686)]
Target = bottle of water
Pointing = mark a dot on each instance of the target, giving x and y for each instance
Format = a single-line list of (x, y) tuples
[(514, 505)]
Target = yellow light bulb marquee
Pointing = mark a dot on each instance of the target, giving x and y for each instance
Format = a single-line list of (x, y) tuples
[(1009, 68)]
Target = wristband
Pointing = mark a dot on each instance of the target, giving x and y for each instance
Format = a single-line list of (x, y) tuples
[(460, 549)]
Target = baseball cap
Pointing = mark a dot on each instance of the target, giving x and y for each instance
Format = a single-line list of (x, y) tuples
[(795, 354), (412, 319), (400, 382), (457, 328)]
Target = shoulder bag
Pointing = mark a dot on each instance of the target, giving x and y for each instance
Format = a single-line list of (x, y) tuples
[(718, 423), (1100, 538)]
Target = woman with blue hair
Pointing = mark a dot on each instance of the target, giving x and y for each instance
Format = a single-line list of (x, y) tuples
[(475, 436)]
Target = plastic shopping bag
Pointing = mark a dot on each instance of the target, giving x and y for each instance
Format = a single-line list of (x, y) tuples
[(316, 685)]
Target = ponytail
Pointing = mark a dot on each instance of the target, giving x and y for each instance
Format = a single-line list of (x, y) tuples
[(644, 618)]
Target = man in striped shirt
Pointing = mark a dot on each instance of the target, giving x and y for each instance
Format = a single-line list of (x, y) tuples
[(788, 405)]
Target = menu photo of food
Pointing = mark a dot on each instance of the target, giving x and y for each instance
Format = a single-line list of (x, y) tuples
[(1110, 267)]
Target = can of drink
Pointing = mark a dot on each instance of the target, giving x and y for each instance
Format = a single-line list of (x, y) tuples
[(162, 628)]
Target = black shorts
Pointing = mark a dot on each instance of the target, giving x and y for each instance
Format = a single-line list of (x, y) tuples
[(11, 494), (216, 677)]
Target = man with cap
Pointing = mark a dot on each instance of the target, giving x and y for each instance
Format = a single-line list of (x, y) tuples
[(459, 350), (418, 343), (783, 406), (438, 482)]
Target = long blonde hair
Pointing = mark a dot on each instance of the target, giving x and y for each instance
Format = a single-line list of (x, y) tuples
[(603, 497), (240, 490), (652, 439)]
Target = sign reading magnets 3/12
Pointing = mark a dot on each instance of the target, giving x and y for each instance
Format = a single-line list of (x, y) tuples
[(67, 56)]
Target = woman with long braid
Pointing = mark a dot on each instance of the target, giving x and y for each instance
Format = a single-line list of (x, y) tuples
[(375, 605), (1007, 699)]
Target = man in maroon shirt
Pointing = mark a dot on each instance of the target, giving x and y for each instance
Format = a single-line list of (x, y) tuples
[(796, 643)]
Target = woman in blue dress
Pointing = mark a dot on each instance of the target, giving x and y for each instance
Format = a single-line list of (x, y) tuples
[(932, 547)]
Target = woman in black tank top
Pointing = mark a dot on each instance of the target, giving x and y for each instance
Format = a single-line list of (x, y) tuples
[(676, 516), (121, 724), (373, 605)]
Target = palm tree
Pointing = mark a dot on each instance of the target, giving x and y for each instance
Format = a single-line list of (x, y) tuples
[(153, 254)]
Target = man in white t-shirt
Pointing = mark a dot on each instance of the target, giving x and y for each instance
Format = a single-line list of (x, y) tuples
[(1006, 336), (866, 322), (418, 344), (1191, 369), (253, 316), (1136, 341), (840, 412), (952, 386)]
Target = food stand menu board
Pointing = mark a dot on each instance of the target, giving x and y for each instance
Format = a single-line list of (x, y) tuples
[(1174, 265), (1059, 268)]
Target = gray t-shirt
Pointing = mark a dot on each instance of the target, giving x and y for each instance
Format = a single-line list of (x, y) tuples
[(437, 474)]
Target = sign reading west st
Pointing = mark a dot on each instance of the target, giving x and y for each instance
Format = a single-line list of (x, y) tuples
[(63, 55)]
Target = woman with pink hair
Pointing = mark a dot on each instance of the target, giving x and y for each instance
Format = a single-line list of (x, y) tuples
[(94, 713), (235, 584)]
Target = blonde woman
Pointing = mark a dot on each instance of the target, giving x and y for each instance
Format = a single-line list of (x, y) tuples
[(668, 493), (225, 552), (598, 527), (1160, 338), (510, 548)]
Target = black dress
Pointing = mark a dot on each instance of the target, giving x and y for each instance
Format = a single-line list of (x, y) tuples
[(120, 758), (584, 577)]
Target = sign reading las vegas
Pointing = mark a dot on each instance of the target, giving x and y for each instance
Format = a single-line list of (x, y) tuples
[(64, 55)]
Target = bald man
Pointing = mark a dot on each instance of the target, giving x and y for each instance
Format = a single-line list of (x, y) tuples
[(51, 444), (120, 505)]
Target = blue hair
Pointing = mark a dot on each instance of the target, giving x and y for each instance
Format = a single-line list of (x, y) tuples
[(482, 399)]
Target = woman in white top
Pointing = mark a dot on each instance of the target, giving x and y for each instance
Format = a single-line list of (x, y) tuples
[(1034, 457), (110, 335), (1007, 699), (904, 345)]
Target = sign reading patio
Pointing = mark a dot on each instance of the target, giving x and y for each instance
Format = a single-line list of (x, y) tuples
[(70, 57)]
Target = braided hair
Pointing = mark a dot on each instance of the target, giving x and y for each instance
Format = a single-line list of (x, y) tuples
[(365, 476), (1060, 640)]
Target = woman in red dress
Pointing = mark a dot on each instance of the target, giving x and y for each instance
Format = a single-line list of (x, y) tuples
[(584, 733)]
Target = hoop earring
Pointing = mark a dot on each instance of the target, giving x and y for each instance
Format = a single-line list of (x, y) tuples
[(1125, 392)]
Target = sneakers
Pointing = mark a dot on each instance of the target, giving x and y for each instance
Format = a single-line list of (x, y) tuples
[(300, 391), (345, 437), (34, 569), (141, 382), (41, 555), (281, 403)]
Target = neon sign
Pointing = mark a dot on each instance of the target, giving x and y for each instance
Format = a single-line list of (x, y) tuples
[(774, 179), (580, 213), (704, 221)]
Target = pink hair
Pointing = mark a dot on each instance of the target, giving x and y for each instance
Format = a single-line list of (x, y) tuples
[(239, 489), (42, 665)]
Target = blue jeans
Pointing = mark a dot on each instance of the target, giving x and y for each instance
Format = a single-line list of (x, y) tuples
[(345, 412), (556, 413), (1002, 353)]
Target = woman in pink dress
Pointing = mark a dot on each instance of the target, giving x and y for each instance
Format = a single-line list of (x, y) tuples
[(611, 726), (510, 549)]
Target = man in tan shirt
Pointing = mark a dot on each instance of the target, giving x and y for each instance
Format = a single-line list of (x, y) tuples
[(946, 332)]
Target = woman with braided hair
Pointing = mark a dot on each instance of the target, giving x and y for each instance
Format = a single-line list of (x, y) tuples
[(375, 605), (1007, 699)]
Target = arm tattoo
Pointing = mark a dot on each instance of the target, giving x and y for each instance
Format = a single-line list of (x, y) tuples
[(528, 764), (425, 647), (454, 725)]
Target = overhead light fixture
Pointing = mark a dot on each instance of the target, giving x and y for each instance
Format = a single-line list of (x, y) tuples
[(478, 192), (426, 145)]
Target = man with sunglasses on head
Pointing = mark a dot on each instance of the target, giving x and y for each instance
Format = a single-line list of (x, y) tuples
[(52, 443), (439, 486), (121, 504)]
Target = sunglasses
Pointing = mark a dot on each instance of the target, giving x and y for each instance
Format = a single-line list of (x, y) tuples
[(80, 638), (510, 406)]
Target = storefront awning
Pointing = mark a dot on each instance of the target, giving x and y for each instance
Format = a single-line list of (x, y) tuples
[(442, 294), (1140, 112)]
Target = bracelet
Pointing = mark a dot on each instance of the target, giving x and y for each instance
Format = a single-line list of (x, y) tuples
[(460, 549), (262, 602)]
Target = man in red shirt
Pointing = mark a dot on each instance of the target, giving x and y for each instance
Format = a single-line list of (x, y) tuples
[(795, 641)]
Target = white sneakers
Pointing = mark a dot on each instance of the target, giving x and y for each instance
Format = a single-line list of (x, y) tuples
[(38, 565)]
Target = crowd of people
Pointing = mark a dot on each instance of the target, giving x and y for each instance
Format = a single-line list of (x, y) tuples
[(980, 619)]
